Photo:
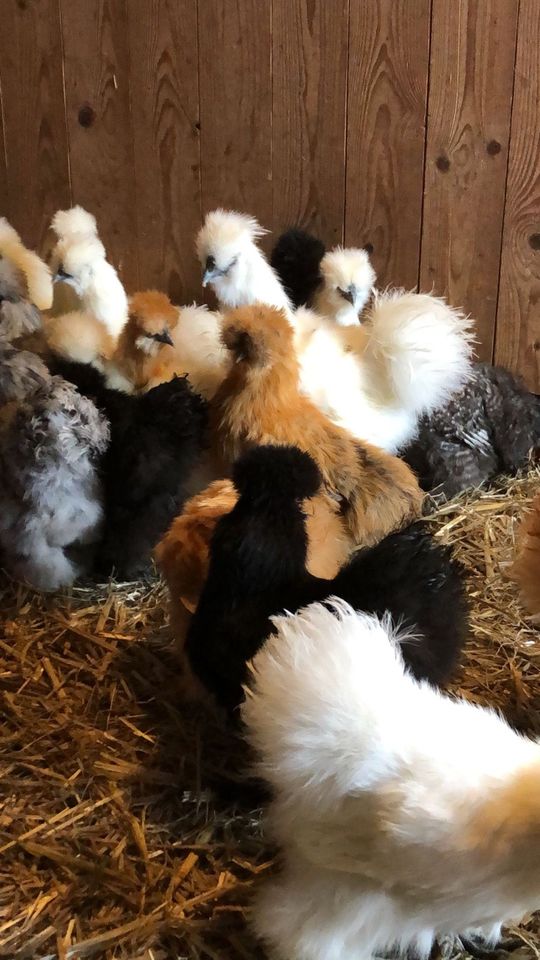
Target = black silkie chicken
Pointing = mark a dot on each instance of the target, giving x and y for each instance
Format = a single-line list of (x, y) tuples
[(487, 429), (258, 569), (157, 440)]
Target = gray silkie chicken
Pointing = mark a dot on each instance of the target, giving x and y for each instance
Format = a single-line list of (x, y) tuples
[(50, 492), (487, 429)]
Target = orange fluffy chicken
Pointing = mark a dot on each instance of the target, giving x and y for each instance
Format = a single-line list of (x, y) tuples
[(148, 332), (526, 567), (260, 402)]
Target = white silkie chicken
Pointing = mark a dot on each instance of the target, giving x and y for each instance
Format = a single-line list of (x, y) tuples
[(376, 380), (79, 259), (403, 815)]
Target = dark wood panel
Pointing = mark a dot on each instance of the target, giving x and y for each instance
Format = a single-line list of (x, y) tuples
[(34, 116), (165, 105), (97, 77), (236, 106), (470, 95), (517, 342), (309, 99), (387, 77)]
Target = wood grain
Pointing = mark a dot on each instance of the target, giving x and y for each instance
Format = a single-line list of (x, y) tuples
[(34, 117), (470, 94), (310, 40), (96, 65), (236, 106), (387, 75), (4, 192), (517, 342), (165, 106)]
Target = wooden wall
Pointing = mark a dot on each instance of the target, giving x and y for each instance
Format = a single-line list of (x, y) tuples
[(408, 126)]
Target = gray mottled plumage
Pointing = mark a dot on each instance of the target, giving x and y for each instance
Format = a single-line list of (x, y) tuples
[(488, 428), (18, 317), (50, 492)]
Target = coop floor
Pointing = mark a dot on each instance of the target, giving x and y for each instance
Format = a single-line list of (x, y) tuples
[(129, 826)]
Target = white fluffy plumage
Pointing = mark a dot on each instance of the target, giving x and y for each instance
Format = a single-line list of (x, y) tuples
[(347, 284), (234, 265), (79, 259), (198, 351), (378, 378), (403, 814), (35, 271)]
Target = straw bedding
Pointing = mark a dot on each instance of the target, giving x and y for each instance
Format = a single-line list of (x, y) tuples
[(129, 826)]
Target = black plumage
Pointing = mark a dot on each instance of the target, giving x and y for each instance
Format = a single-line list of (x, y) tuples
[(487, 429), (258, 569), (157, 439), (296, 258)]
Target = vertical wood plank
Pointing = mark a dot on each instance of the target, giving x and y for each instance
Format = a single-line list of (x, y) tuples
[(470, 95), (37, 177), (236, 106), (309, 40), (517, 342), (387, 77), (99, 122), (4, 196), (165, 104)]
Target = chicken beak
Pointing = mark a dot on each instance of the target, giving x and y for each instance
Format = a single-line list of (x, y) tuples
[(210, 275), (163, 337), (61, 277), (350, 294)]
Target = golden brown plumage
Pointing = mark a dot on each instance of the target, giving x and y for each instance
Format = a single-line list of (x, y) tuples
[(526, 567), (260, 402), (146, 336)]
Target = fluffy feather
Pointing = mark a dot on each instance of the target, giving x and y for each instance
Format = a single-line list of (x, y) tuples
[(257, 568), (403, 815), (156, 441), (234, 265), (19, 317), (376, 380), (50, 493), (36, 273), (183, 553), (79, 260), (197, 352), (77, 220), (488, 428), (526, 566), (260, 402), (80, 337), (296, 258)]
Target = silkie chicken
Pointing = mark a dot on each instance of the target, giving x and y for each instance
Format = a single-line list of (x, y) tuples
[(25, 281), (526, 567), (489, 428), (156, 442), (183, 553), (257, 569), (376, 380), (403, 815), (234, 266), (161, 341), (51, 439), (337, 283), (260, 402), (79, 259)]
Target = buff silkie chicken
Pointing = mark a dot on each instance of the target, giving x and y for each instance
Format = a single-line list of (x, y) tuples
[(336, 283)]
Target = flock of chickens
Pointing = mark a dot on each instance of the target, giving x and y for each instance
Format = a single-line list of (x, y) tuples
[(272, 456)]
